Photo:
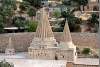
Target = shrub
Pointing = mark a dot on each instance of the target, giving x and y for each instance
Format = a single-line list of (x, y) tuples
[(56, 14), (86, 51), (19, 22), (5, 64), (1, 24), (31, 26)]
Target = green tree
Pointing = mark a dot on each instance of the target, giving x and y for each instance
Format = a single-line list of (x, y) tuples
[(34, 3), (1, 24), (81, 3), (30, 7), (72, 21), (23, 6), (94, 22), (71, 4), (66, 2), (7, 10), (19, 22), (95, 18), (31, 12)]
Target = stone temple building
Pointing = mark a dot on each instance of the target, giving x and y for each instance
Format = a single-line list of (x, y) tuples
[(44, 49), (44, 45)]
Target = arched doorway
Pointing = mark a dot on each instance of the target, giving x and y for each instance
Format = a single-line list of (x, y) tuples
[(56, 57)]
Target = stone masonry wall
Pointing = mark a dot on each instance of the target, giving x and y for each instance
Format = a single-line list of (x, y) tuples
[(21, 41), (79, 65)]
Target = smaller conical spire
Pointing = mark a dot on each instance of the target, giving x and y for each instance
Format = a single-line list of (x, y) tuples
[(66, 33), (66, 38), (10, 43), (10, 49)]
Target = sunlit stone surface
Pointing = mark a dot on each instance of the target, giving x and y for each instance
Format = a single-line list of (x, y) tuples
[(22, 60)]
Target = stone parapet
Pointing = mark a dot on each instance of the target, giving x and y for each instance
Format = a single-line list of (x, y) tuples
[(69, 64)]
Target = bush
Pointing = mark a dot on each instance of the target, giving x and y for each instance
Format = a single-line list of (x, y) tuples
[(56, 14), (57, 29), (86, 51), (1, 24), (31, 12), (19, 22), (31, 26), (66, 2), (5, 64)]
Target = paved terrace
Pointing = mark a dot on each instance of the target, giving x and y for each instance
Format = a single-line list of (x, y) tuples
[(22, 60)]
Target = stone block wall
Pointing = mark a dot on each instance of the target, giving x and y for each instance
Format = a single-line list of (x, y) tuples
[(69, 64), (85, 40), (21, 41), (81, 65), (82, 39)]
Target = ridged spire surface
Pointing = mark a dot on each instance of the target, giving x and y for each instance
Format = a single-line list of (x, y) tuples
[(10, 46), (66, 33), (44, 29), (10, 49)]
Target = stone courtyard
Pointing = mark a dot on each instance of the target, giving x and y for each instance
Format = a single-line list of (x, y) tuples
[(22, 60)]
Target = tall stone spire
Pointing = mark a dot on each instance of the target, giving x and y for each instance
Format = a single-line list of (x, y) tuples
[(43, 42), (67, 44), (44, 29), (10, 49), (44, 37), (66, 33)]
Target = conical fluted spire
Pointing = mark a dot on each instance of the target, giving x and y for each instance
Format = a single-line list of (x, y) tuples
[(66, 38), (10, 49), (10, 43), (66, 33), (44, 29)]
